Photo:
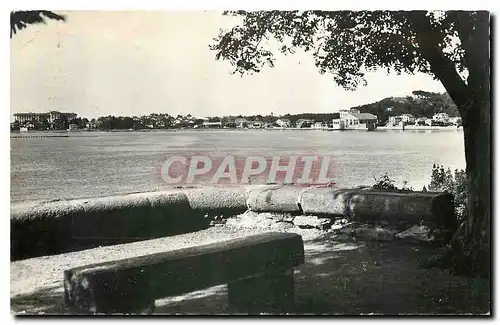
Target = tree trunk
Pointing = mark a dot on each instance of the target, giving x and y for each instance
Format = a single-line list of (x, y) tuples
[(474, 241), (476, 117), (471, 244)]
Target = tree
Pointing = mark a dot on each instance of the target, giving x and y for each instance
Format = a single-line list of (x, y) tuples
[(61, 123), (21, 19), (85, 122), (14, 126), (44, 124), (453, 46)]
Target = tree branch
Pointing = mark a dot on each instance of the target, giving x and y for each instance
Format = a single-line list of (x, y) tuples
[(443, 68), (478, 54)]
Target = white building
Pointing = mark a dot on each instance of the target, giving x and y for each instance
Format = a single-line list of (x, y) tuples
[(255, 124), (338, 124), (353, 119), (404, 118), (212, 124), (240, 122), (317, 125), (456, 120), (441, 117), (420, 120), (429, 122), (283, 122), (407, 118), (39, 117), (304, 123), (394, 120)]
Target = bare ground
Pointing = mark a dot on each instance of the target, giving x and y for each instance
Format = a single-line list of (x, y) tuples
[(346, 278)]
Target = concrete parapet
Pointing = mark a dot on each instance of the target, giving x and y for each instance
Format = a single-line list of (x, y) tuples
[(326, 201), (217, 200), (413, 207), (357, 204), (39, 228), (46, 228), (275, 199)]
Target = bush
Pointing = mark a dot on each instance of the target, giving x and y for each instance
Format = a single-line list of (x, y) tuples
[(386, 183), (451, 182)]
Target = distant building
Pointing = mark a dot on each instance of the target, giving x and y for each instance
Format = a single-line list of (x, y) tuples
[(256, 124), (441, 117), (304, 123), (28, 117), (212, 124), (403, 118), (394, 120), (55, 115), (283, 122), (455, 120), (407, 118), (420, 121), (50, 117), (317, 125), (240, 122), (338, 124), (353, 119)]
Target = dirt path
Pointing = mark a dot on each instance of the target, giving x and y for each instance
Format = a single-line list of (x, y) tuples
[(337, 278)]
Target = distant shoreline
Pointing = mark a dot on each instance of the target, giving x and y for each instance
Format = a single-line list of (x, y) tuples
[(17, 134)]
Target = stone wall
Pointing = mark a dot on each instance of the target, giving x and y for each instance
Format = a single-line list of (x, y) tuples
[(46, 228)]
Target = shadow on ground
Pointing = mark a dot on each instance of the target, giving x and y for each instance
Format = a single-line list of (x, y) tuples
[(49, 300), (337, 278)]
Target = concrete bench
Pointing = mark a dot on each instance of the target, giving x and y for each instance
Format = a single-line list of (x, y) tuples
[(258, 270)]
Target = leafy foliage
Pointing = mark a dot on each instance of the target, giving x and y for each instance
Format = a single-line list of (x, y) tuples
[(21, 19), (451, 182), (386, 183), (125, 122), (345, 43), (450, 45)]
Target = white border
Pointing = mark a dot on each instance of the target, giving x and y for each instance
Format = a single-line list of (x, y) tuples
[(253, 5), (186, 5)]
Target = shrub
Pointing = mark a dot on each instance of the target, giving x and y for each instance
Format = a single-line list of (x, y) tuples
[(386, 183), (451, 182)]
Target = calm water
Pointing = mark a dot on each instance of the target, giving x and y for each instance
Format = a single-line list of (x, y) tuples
[(86, 164)]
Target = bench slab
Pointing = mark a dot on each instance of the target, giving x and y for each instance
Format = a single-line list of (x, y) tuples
[(131, 285)]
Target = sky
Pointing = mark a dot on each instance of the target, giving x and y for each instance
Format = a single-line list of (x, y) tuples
[(136, 63)]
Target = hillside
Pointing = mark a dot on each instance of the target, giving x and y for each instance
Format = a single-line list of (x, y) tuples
[(421, 104)]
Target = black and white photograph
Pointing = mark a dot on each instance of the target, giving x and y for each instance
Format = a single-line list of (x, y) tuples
[(250, 162)]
